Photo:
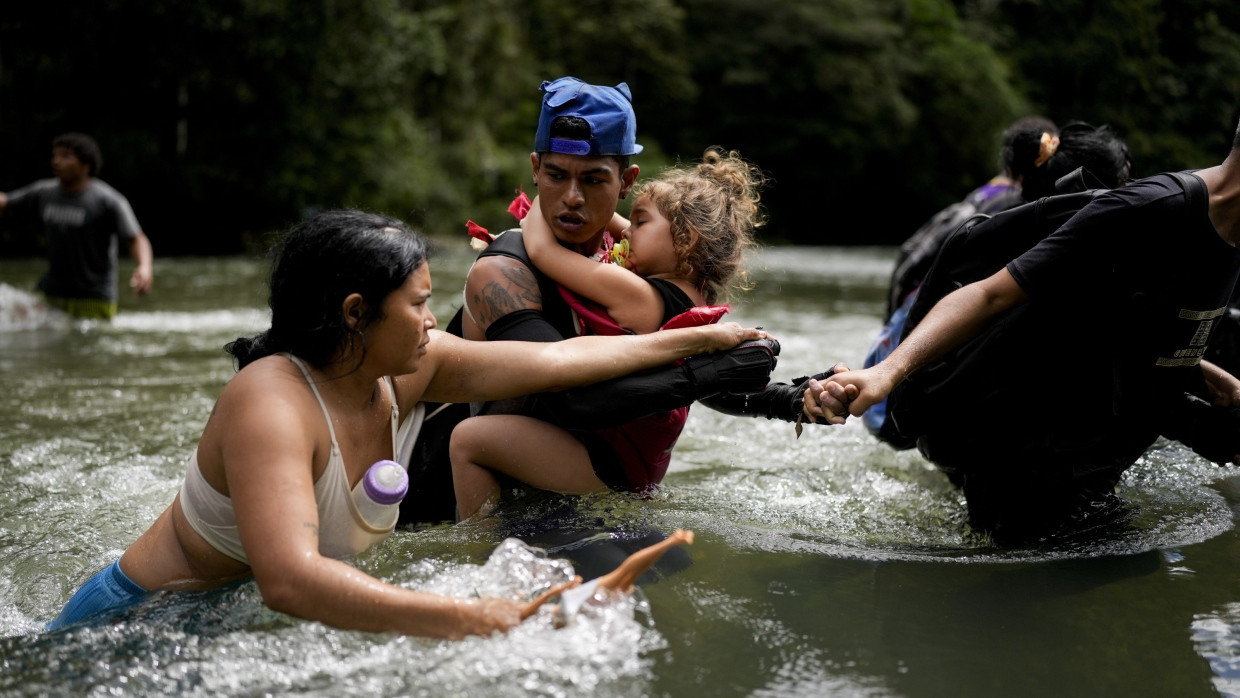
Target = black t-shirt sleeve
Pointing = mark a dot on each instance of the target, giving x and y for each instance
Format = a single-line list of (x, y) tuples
[(633, 396), (1076, 251), (523, 326)]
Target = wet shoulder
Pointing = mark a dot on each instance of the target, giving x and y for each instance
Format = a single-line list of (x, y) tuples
[(267, 387)]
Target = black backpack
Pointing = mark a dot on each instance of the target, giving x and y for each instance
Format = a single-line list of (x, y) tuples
[(976, 249), (917, 252)]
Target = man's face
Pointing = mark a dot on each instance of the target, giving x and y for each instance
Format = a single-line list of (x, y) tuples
[(67, 167), (578, 195)]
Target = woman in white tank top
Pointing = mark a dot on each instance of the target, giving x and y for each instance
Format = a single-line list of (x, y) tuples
[(348, 299)]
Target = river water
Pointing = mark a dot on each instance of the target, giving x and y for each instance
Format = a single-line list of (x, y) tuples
[(825, 565)]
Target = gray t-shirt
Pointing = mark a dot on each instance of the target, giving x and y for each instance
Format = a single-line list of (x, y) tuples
[(82, 229)]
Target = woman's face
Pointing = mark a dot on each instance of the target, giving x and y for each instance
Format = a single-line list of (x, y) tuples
[(650, 240), (397, 341)]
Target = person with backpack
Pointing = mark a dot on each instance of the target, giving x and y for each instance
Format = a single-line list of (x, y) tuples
[(1060, 369), (1079, 157), (1027, 145)]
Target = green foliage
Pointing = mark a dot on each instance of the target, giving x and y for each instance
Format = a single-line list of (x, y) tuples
[(224, 120), (1164, 74), (849, 104)]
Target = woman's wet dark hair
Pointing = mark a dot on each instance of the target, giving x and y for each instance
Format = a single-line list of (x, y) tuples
[(315, 267), (1021, 142), (1096, 148)]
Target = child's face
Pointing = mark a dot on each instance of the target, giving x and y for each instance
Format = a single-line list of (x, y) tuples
[(650, 240)]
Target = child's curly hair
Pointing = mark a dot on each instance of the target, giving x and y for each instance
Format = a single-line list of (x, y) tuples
[(713, 211)]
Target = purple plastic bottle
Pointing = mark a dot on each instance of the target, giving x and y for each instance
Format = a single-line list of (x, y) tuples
[(384, 484)]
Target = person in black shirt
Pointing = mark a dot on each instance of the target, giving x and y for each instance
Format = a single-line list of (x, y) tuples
[(1125, 297)]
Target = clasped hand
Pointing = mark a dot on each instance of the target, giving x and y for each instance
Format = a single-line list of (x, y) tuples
[(845, 393)]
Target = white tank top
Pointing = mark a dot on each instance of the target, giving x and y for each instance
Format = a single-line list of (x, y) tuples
[(342, 531)]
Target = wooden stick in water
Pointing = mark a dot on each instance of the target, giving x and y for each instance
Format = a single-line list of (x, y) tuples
[(621, 579), (625, 576)]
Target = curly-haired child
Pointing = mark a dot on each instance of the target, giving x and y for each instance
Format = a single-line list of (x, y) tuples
[(680, 255)]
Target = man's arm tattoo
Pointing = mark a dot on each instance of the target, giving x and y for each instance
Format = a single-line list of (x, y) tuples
[(517, 291)]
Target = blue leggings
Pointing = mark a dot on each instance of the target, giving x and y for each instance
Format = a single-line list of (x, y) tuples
[(108, 590)]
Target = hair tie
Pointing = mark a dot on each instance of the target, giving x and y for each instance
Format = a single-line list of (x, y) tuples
[(1048, 147)]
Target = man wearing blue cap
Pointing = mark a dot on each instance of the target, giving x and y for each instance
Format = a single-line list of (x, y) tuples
[(586, 135)]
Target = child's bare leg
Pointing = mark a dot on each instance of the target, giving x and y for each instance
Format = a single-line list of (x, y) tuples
[(535, 452), (625, 576), (477, 490)]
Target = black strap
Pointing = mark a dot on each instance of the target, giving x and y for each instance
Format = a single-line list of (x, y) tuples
[(1198, 195)]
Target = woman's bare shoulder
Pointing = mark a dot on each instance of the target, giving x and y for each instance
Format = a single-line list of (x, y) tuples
[(268, 391), (276, 375), (265, 408)]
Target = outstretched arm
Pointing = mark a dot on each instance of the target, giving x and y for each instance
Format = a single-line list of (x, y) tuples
[(628, 298), (743, 369), (1210, 427), (266, 435), (143, 274), (951, 322), (1223, 388), (459, 370), (503, 303), (785, 401)]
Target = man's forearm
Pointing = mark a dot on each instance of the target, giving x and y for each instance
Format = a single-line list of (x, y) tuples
[(1223, 388), (742, 369), (954, 320), (610, 402), (140, 250), (782, 401)]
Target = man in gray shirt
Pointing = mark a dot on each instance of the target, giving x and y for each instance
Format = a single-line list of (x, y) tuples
[(82, 218)]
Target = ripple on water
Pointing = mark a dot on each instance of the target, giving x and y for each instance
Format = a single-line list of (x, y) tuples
[(838, 494), (1216, 637)]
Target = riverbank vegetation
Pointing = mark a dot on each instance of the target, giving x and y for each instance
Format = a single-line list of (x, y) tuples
[(226, 119)]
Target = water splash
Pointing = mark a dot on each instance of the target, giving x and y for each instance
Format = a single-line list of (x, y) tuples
[(20, 310), (236, 319), (226, 642)]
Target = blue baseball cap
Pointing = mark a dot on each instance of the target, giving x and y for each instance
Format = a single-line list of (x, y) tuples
[(608, 110)]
